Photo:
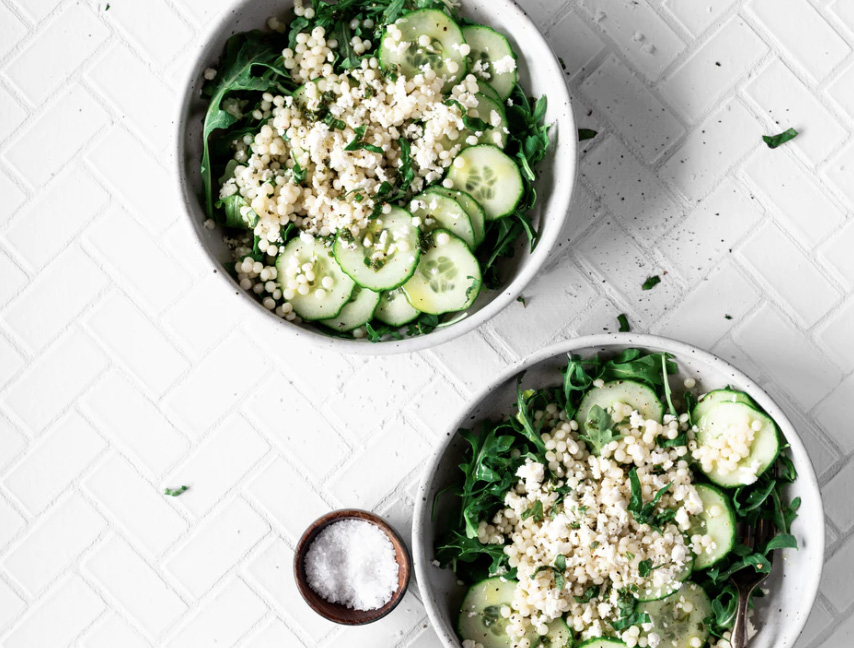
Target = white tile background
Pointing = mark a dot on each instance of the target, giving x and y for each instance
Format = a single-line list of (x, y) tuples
[(123, 369)]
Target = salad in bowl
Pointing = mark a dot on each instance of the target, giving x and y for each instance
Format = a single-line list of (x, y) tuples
[(372, 166), (607, 505)]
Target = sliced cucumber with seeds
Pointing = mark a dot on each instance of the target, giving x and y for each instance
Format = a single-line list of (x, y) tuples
[(356, 312), (385, 254), (472, 207), (680, 619), (320, 302), (489, 50), (436, 211), (495, 131), (491, 177), (724, 419), (656, 593), (442, 53), (717, 519), (394, 309), (709, 400), (480, 617), (448, 276), (636, 395)]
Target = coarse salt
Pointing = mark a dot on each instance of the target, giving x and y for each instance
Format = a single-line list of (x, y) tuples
[(352, 562)]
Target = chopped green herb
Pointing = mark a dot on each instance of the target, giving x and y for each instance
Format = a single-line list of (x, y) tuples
[(624, 323), (522, 301), (589, 594), (175, 492), (651, 282), (645, 568), (586, 134), (729, 317), (773, 141), (562, 63), (536, 512), (600, 430)]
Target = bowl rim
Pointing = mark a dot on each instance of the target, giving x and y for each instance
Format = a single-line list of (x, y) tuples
[(310, 534), (563, 191), (421, 514)]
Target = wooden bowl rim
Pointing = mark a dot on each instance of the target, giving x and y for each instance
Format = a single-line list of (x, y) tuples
[(350, 616)]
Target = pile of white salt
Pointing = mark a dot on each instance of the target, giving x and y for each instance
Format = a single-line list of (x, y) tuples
[(352, 563)]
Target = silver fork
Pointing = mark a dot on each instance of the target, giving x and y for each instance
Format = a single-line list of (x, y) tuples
[(747, 580)]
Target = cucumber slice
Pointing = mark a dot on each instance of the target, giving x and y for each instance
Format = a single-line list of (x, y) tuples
[(490, 50), (680, 619), (472, 207), (727, 417), (356, 312), (657, 593), (436, 211), (390, 257), (484, 88), (480, 617), (408, 56), (490, 176), (719, 396), (394, 309), (716, 519), (558, 636), (636, 395), (485, 109), (447, 279), (602, 643), (315, 305)]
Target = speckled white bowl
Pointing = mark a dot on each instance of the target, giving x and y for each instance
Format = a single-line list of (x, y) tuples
[(794, 581), (540, 74)]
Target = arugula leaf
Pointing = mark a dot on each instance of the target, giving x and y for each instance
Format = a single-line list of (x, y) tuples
[(773, 141), (586, 134), (645, 513), (524, 417), (781, 541), (633, 364), (666, 384), (635, 618), (243, 54), (651, 282), (600, 432), (624, 323), (175, 492)]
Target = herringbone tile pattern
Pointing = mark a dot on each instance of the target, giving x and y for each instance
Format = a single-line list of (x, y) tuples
[(123, 369)]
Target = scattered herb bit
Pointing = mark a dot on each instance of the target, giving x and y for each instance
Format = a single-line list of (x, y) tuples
[(175, 492), (729, 317), (522, 301), (562, 63), (773, 141), (599, 428), (536, 512), (651, 282), (645, 568), (624, 323), (586, 134), (589, 594)]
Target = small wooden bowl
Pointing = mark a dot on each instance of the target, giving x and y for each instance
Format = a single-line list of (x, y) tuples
[(334, 611)]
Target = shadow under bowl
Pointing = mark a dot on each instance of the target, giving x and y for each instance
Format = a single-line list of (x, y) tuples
[(336, 612)]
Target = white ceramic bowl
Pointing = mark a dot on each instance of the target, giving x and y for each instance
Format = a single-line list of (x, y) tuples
[(794, 581), (540, 74)]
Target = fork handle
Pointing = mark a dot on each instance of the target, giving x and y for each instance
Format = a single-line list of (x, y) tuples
[(739, 626)]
